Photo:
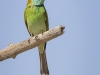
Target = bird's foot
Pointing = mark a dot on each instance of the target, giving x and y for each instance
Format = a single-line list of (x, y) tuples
[(42, 32), (36, 37), (29, 40), (30, 37)]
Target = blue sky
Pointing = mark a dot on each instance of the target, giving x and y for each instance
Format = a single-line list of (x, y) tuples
[(76, 52)]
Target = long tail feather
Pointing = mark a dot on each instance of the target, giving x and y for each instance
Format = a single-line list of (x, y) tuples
[(43, 63)]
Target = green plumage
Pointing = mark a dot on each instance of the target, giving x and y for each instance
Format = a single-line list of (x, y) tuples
[(36, 21)]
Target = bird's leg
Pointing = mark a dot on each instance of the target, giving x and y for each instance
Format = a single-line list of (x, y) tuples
[(36, 37), (31, 36), (42, 32)]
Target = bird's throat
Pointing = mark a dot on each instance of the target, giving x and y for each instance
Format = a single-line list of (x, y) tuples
[(38, 2)]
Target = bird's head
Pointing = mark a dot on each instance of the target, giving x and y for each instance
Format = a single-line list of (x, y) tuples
[(36, 2)]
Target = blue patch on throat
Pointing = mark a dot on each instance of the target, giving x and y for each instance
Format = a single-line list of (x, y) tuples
[(38, 2)]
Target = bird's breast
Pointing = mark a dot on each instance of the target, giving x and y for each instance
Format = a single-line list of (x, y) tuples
[(36, 22)]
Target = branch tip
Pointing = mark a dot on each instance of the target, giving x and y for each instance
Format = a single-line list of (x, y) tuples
[(62, 28)]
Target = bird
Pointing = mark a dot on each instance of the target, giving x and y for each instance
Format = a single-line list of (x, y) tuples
[(36, 21)]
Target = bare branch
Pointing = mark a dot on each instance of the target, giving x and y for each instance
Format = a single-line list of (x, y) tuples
[(14, 49)]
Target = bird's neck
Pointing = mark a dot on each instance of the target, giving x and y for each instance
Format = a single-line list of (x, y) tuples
[(36, 2)]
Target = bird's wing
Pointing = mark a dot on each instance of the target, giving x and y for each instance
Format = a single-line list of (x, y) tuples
[(46, 20), (25, 19)]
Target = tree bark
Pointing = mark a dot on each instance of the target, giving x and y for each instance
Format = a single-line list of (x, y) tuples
[(14, 49)]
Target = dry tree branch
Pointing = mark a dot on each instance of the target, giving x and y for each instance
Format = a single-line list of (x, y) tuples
[(14, 49)]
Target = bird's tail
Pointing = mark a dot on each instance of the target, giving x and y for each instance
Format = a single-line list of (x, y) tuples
[(43, 62)]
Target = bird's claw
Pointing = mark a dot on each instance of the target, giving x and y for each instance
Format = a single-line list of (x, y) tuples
[(28, 40), (42, 32)]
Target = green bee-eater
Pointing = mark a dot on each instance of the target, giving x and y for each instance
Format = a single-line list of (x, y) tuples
[(36, 21)]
